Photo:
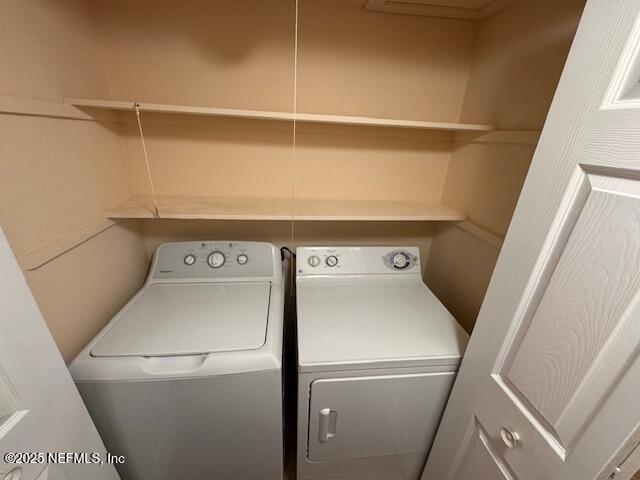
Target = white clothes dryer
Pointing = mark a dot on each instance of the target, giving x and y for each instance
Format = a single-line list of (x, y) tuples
[(185, 381), (377, 356)]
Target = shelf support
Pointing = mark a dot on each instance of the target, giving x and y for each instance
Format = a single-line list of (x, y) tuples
[(136, 107)]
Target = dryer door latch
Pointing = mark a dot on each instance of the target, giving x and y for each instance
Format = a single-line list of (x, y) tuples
[(327, 424)]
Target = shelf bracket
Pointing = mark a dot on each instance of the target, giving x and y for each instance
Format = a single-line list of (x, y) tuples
[(136, 107)]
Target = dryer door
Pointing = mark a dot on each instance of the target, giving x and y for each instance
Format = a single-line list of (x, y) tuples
[(361, 417)]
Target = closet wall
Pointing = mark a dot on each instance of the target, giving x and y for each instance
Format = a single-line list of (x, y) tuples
[(59, 169), (358, 63), (242, 55), (518, 59), (353, 62), (209, 54), (76, 198)]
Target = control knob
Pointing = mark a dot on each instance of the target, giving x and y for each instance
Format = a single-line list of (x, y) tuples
[(400, 260), (242, 259), (313, 261), (331, 261), (189, 259), (216, 259)]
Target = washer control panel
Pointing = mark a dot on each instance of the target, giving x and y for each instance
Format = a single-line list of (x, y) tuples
[(357, 260), (215, 259)]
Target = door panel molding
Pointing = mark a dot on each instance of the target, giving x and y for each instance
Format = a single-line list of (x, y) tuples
[(620, 93), (12, 408), (577, 377), (479, 447)]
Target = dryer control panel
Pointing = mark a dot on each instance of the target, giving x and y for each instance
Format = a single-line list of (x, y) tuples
[(215, 259), (357, 260)]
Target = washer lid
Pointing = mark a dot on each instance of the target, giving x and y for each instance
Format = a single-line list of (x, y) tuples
[(188, 319), (374, 324)]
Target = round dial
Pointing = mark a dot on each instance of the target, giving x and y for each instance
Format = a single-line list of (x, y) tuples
[(331, 261), (216, 259), (242, 259), (189, 259), (313, 261), (400, 260)]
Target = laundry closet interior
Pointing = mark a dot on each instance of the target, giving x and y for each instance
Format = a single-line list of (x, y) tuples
[(126, 124)]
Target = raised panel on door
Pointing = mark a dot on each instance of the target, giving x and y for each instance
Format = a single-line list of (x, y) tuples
[(361, 417), (578, 332), (17, 425), (481, 458)]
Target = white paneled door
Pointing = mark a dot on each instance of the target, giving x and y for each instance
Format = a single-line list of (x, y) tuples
[(45, 430), (550, 385)]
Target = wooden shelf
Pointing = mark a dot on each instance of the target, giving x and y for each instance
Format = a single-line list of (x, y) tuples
[(216, 208), (279, 116), (212, 208), (374, 210)]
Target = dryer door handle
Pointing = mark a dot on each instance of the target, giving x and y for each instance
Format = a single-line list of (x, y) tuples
[(327, 424)]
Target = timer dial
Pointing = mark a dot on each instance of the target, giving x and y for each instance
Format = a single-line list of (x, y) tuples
[(331, 261), (400, 260), (216, 259)]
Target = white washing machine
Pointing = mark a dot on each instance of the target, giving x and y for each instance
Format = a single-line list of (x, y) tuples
[(185, 381), (377, 356)]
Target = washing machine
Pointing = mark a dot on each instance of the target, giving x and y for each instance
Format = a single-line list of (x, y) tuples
[(186, 380), (377, 357)]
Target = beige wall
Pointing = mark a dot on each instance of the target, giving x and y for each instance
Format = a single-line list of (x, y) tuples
[(49, 50), (370, 164), (80, 291), (240, 158), (458, 272), (354, 62), (241, 55), (57, 174), (237, 54), (206, 156), (520, 53), (519, 56), (350, 62), (484, 182), (229, 54)]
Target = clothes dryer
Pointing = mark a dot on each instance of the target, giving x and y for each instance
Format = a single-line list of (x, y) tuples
[(377, 357)]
